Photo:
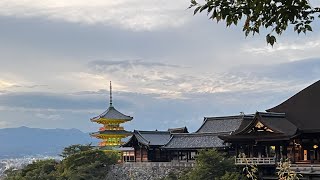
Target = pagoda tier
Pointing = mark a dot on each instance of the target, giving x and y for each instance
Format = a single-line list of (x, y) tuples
[(111, 137), (111, 116)]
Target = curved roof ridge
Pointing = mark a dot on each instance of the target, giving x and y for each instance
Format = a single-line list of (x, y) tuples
[(221, 124), (151, 138), (141, 135), (302, 109), (224, 117), (155, 131), (112, 113), (199, 134), (272, 114), (203, 122), (295, 95), (168, 141), (193, 141)]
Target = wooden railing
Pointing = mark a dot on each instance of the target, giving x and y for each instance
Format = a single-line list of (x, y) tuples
[(159, 164), (255, 161), (306, 168)]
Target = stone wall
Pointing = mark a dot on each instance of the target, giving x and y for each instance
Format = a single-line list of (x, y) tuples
[(145, 171)]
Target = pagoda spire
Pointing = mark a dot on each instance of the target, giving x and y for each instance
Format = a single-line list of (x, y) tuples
[(110, 94), (112, 132)]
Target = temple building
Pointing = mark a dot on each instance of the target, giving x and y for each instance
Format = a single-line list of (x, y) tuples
[(146, 145), (185, 146), (177, 144), (290, 130), (111, 133)]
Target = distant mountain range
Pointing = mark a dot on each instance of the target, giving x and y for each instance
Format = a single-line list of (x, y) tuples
[(25, 141)]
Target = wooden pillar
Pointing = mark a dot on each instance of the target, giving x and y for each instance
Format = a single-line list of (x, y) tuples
[(318, 157), (135, 154), (187, 156), (252, 151), (294, 153), (237, 151), (284, 151), (259, 151), (141, 154), (277, 150)]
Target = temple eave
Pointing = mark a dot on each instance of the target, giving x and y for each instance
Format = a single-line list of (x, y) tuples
[(110, 136), (106, 121)]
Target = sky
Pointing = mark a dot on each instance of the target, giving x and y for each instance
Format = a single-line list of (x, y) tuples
[(168, 68)]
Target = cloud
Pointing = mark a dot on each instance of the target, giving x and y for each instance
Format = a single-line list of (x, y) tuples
[(26, 100), (124, 65), (30, 86), (53, 117), (58, 110), (290, 47), (296, 72), (163, 81), (130, 14), (6, 84), (3, 124), (284, 46)]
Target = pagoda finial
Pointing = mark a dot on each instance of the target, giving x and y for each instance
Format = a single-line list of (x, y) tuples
[(110, 94)]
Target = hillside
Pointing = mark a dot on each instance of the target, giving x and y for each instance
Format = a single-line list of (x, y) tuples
[(25, 141)]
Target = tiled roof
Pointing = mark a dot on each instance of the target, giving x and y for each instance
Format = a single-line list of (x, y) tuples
[(194, 141), (302, 109), (220, 124), (277, 122), (111, 132), (112, 113), (282, 129), (150, 138), (246, 121), (178, 130)]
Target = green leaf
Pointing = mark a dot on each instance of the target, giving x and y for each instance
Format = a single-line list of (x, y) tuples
[(203, 7), (308, 27), (196, 10), (193, 2)]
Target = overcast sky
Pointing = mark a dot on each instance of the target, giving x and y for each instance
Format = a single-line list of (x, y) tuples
[(168, 67)]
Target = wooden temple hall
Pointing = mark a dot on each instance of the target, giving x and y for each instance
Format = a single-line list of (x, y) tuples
[(178, 144), (290, 130)]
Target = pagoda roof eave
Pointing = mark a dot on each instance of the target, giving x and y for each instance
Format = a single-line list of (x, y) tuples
[(112, 114), (97, 119), (111, 132)]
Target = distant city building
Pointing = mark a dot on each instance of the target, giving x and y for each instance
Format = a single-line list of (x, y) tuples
[(111, 133)]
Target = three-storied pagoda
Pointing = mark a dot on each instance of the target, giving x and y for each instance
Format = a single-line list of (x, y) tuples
[(111, 133)]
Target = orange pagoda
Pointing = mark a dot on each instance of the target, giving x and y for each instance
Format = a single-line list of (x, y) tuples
[(111, 133)]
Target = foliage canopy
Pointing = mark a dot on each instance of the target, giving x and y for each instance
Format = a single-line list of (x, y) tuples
[(80, 162), (212, 165), (275, 15), (74, 149)]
